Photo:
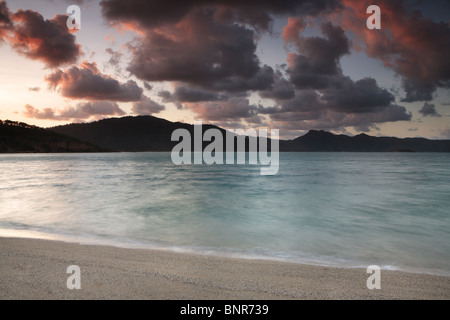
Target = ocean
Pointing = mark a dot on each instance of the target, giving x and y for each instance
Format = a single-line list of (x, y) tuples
[(333, 209)]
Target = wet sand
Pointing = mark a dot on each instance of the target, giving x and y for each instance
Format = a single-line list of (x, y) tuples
[(36, 269)]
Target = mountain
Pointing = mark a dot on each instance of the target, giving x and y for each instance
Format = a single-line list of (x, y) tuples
[(148, 133), (21, 137), (141, 133), (326, 141)]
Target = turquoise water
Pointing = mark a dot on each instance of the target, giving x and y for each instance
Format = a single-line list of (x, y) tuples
[(339, 209)]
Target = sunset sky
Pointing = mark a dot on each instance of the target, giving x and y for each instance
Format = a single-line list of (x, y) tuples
[(287, 65)]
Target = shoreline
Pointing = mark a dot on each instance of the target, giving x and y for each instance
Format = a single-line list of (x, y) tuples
[(36, 269), (207, 251)]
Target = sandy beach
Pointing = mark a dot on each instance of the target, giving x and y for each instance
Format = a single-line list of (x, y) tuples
[(36, 269)]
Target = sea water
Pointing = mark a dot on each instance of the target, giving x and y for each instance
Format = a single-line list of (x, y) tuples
[(336, 209)]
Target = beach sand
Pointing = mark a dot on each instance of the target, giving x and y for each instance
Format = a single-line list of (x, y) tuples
[(36, 269)]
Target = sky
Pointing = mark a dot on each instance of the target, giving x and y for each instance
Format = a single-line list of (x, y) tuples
[(286, 64)]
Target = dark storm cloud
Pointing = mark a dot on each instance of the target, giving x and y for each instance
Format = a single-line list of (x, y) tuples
[(417, 90), (282, 89), (261, 80), (155, 13), (188, 94), (47, 40), (317, 64), (5, 14), (304, 102), (71, 1), (429, 110), (213, 60), (166, 96), (208, 50), (323, 97), (201, 51), (361, 104), (185, 93), (357, 97), (5, 19), (87, 82), (199, 42)]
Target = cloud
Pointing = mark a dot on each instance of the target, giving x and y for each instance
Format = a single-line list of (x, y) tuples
[(185, 93), (36, 89), (306, 104), (318, 94), (201, 51), (146, 106), (114, 60), (147, 85), (235, 108), (157, 13), (292, 31), (282, 89), (87, 82), (207, 49), (361, 104), (327, 119), (357, 97), (416, 48), (316, 66), (70, 1), (429, 110), (45, 114), (82, 111), (315, 93), (5, 19), (47, 40)]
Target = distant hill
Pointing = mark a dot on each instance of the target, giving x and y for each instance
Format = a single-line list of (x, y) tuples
[(133, 134), (326, 141), (148, 133), (21, 137), (141, 133)]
